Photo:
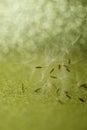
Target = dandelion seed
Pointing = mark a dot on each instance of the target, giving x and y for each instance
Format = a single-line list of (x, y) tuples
[(69, 61), (68, 95), (67, 68), (51, 70), (23, 89), (60, 101), (54, 77), (37, 90), (59, 66), (81, 99), (83, 86), (38, 67), (57, 91)]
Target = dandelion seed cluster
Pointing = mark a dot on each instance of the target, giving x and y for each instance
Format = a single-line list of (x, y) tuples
[(50, 34)]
